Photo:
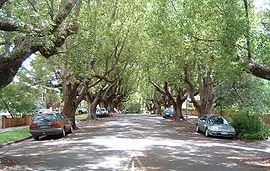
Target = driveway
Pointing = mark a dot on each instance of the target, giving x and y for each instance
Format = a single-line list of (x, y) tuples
[(135, 142)]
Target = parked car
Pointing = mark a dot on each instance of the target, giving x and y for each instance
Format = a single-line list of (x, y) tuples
[(102, 112), (215, 126), (4, 113), (81, 111), (168, 112), (50, 124)]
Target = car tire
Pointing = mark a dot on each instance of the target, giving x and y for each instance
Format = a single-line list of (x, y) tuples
[(63, 132), (36, 138), (206, 132), (197, 129)]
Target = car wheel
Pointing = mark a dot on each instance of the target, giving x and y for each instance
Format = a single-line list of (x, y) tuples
[(197, 128), (80, 112), (63, 132), (206, 132), (36, 138)]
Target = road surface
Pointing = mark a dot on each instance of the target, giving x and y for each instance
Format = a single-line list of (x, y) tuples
[(134, 142)]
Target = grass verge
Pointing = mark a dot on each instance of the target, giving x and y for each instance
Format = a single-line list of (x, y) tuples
[(15, 135), (81, 117)]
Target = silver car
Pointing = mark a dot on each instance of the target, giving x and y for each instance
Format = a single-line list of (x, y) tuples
[(102, 112), (215, 126)]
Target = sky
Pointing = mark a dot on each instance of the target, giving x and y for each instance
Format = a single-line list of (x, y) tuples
[(262, 4)]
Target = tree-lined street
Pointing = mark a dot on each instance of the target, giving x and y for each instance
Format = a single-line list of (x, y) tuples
[(135, 142), (93, 62)]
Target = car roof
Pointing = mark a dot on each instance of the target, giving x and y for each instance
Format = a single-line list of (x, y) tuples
[(213, 116), (49, 113)]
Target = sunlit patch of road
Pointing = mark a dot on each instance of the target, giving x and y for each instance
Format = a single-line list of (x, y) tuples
[(134, 142)]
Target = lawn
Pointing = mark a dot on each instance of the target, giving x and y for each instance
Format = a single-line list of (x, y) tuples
[(14, 135), (81, 117)]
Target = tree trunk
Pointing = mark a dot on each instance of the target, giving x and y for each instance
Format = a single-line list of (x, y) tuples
[(157, 108), (177, 106), (207, 99), (69, 103), (110, 106), (92, 108), (26, 45)]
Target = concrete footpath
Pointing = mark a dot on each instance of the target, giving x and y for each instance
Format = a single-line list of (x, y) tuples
[(2, 130)]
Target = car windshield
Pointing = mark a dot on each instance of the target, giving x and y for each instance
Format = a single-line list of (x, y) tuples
[(101, 110), (217, 120), (44, 118), (169, 110)]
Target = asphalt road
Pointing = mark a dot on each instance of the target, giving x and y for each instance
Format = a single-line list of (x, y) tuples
[(135, 142)]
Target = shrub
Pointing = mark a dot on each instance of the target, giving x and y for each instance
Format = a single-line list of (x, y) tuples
[(249, 126)]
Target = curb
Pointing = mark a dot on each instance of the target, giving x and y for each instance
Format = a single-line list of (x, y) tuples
[(16, 141)]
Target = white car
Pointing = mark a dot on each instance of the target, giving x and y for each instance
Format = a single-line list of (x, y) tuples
[(102, 112), (81, 111), (5, 113)]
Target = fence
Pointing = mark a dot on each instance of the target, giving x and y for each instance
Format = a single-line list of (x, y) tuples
[(190, 112), (193, 112), (12, 122)]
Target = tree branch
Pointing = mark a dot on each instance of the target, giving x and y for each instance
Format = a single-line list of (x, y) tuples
[(158, 88), (2, 2), (259, 70), (63, 13), (168, 93), (8, 24), (190, 87), (59, 41), (34, 4), (247, 35)]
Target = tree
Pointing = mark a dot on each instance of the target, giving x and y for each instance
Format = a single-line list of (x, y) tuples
[(45, 30), (20, 96)]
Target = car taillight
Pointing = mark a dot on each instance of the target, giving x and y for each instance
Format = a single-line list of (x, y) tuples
[(56, 125), (33, 126)]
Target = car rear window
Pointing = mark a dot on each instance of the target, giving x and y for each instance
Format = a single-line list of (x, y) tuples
[(44, 118)]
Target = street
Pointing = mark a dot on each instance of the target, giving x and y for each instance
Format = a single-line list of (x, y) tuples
[(135, 142)]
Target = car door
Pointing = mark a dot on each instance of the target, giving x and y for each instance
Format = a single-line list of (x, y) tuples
[(202, 123)]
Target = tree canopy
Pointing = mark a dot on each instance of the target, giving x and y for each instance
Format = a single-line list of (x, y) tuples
[(165, 52)]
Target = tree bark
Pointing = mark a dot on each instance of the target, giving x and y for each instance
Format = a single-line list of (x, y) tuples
[(176, 99), (177, 106), (70, 105), (92, 108), (177, 112), (157, 108), (26, 45), (207, 100), (259, 70)]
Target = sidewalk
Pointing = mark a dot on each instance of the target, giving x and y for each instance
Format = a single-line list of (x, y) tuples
[(2, 130)]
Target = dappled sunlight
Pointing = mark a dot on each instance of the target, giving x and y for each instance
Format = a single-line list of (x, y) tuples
[(113, 148), (230, 165), (110, 162)]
